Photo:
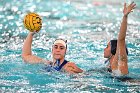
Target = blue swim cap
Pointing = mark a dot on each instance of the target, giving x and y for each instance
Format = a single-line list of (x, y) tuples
[(114, 47)]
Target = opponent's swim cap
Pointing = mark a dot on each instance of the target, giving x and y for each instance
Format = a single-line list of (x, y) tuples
[(61, 41), (114, 47)]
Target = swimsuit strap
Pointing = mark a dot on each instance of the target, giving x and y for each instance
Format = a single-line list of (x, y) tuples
[(65, 62), (58, 63), (58, 67)]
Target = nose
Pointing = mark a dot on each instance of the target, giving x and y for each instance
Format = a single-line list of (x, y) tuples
[(58, 49), (104, 49)]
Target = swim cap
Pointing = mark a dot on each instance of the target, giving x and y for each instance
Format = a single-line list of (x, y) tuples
[(114, 47), (61, 41)]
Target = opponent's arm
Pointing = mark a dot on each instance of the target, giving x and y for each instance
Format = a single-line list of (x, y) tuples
[(120, 59)]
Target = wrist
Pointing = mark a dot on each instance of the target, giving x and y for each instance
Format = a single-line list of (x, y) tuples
[(125, 15), (31, 33)]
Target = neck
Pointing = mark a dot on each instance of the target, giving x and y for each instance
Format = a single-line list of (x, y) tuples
[(61, 60)]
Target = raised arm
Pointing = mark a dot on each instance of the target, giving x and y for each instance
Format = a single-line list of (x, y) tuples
[(120, 59), (27, 51), (123, 27)]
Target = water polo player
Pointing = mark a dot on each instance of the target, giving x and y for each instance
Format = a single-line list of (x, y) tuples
[(58, 63), (116, 50)]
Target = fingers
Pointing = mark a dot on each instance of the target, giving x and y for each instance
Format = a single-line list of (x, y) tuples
[(124, 4), (133, 5)]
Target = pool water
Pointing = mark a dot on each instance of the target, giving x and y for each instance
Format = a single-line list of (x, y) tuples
[(87, 25)]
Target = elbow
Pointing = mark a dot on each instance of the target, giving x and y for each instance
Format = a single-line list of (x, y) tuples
[(124, 72), (123, 69), (24, 58)]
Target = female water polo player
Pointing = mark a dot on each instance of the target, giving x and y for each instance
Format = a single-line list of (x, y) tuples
[(116, 50), (58, 63)]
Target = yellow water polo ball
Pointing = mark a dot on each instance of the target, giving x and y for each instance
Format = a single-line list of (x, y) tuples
[(32, 22)]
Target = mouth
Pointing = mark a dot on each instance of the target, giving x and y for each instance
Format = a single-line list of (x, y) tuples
[(57, 54)]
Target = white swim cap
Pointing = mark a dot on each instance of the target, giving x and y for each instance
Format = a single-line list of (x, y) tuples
[(61, 41)]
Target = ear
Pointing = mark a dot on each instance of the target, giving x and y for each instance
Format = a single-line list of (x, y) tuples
[(113, 51), (52, 49), (66, 51)]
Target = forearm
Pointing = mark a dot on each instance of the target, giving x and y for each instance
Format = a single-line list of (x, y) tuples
[(27, 45), (123, 28)]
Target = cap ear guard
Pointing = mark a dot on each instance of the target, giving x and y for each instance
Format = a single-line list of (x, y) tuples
[(113, 51), (66, 41), (114, 47), (113, 44)]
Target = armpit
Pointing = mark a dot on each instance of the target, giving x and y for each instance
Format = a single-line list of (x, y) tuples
[(123, 58)]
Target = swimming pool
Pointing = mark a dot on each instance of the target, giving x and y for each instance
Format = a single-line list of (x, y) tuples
[(87, 25)]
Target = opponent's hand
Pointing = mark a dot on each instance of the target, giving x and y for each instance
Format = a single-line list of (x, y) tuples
[(129, 8)]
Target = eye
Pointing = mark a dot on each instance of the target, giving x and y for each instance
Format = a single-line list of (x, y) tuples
[(61, 48), (55, 47)]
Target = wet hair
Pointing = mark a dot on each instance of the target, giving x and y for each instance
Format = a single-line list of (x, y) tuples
[(114, 47)]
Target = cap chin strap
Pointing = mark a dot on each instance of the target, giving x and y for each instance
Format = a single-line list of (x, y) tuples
[(108, 59), (58, 62)]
